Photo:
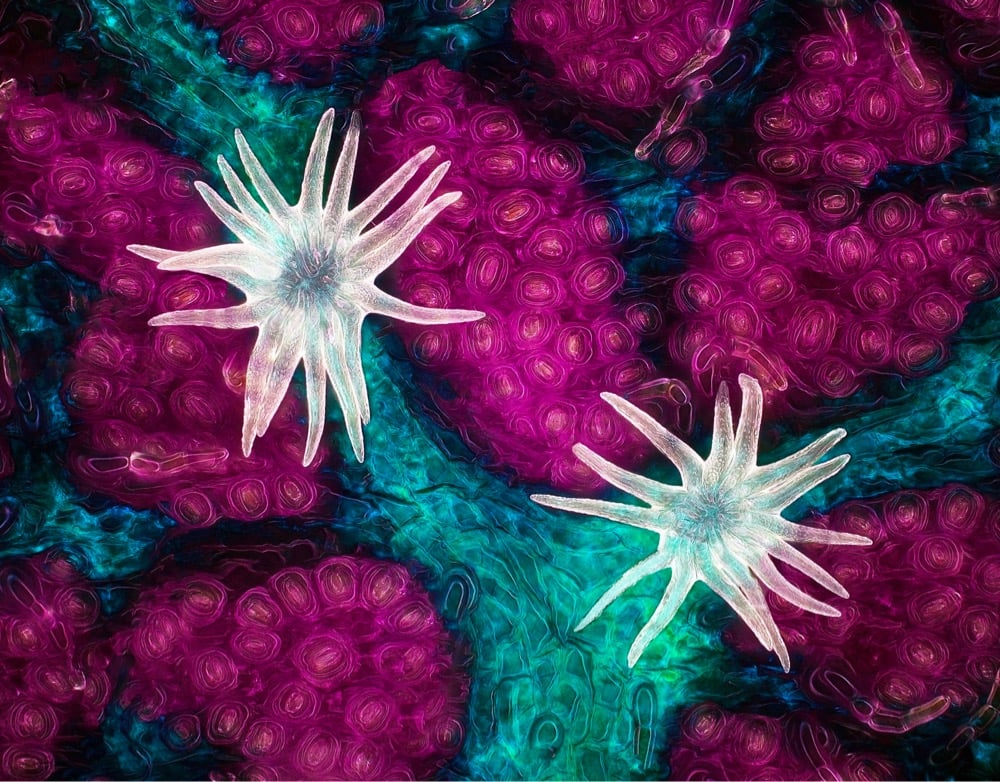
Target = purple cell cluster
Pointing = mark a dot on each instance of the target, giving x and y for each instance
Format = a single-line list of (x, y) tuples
[(723, 745), (530, 247), (296, 42), (158, 411), (631, 54), (918, 636), (814, 295), (795, 274), (862, 98), (54, 662), (80, 184), (315, 668)]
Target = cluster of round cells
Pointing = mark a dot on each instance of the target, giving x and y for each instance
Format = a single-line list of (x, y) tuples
[(629, 54), (814, 291), (54, 682), (816, 296), (159, 411), (302, 41), (862, 98), (718, 744), (338, 669), (530, 247), (921, 623)]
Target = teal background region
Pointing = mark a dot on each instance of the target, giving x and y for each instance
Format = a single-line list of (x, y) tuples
[(511, 578)]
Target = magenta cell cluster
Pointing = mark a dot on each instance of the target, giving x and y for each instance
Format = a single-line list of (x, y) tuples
[(631, 54), (921, 622), (296, 42), (158, 410), (529, 246), (78, 183), (54, 660), (862, 98), (335, 669), (723, 745), (813, 295)]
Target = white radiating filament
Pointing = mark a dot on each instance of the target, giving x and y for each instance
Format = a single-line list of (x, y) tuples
[(308, 273)]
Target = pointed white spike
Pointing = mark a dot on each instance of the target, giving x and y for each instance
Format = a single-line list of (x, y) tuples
[(265, 187), (771, 577), (150, 253), (373, 240), (783, 493), (638, 486), (769, 473), (245, 229), (242, 316), (343, 175), (311, 197), (723, 440), (372, 206), (673, 598), (315, 369), (344, 388), (748, 430), (792, 556), (384, 304), (687, 461), (745, 597), (241, 196), (631, 515), (651, 564), (377, 260), (800, 533)]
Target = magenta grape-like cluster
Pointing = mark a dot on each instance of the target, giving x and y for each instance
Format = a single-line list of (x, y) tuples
[(628, 54), (530, 247), (156, 428), (54, 660), (921, 623), (334, 669), (723, 745)]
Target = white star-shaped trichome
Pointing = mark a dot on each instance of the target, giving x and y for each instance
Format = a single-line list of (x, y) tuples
[(308, 273), (723, 524)]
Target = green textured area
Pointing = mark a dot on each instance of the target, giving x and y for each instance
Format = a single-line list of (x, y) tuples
[(105, 542), (512, 578)]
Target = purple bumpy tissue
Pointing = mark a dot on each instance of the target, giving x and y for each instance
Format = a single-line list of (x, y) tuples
[(54, 660), (862, 98), (158, 410), (918, 636), (301, 41), (530, 247), (815, 295), (630, 54), (725, 745), (337, 669)]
